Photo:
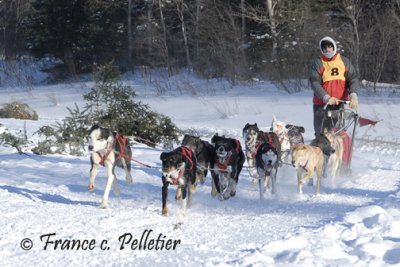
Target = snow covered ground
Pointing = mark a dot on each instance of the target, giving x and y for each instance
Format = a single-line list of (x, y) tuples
[(354, 221)]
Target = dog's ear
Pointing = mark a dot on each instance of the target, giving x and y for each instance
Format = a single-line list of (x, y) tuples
[(302, 129), (163, 155), (94, 127), (215, 138), (234, 143), (184, 140), (288, 126)]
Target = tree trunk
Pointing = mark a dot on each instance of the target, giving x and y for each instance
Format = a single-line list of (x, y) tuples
[(130, 39), (180, 7), (164, 41), (272, 24), (243, 12), (196, 28)]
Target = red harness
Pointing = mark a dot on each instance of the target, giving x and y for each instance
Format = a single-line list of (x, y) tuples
[(270, 141), (222, 166), (121, 153), (188, 154), (269, 138), (254, 153)]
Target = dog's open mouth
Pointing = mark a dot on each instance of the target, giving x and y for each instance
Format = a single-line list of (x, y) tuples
[(268, 169), (222, 154), (175, 177)]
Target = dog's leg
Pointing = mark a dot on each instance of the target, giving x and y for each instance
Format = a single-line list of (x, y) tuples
[(273, 179), (115, 186), (214, 190), (334, 166), (184, 199), (164, 193), (233, 185), (127, 168), (261, 186), (178, 194), (252, 168), (308, 176), (261, 182), (325, 166), (110, 181), (234, 176), (192, 189), (94, 159), (299, 182), (319, 175)]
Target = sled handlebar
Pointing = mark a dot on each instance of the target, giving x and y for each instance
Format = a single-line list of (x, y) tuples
[(341, 101)]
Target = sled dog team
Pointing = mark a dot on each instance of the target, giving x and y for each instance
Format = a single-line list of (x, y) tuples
[(189, 163)]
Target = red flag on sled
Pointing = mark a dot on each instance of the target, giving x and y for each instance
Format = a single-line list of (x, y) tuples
[(364, 122)]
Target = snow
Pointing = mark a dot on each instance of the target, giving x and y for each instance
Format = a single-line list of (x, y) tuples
[(354, 221)]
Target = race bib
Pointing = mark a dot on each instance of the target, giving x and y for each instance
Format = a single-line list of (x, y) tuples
[(333, 70)]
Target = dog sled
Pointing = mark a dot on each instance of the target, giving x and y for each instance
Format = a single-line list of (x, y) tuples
[(344, 122)]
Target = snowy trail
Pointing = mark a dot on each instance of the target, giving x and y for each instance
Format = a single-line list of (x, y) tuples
[(48, 195)]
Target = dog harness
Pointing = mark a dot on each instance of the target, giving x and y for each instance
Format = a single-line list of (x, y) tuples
[(222, 166), (188, 154), (122, 145)]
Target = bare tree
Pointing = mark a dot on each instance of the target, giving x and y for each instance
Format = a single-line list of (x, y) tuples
[(352, 11), (273, 24), (164, 40), (181, 7), (130, 37)]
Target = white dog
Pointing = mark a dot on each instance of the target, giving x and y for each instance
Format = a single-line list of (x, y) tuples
[(110, 150)]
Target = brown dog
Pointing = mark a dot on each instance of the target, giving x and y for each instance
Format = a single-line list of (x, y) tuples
[(307, 159)]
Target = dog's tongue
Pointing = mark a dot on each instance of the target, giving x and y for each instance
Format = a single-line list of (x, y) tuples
[(268, 170)]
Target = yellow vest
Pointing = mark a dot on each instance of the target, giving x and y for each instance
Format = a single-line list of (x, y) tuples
[(333, 70)]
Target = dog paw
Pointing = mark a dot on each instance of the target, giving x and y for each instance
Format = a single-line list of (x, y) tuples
[(91, 187), (103, 206), (129, 179), (233, 193), (221, 197), (213, 193), (164, 212)]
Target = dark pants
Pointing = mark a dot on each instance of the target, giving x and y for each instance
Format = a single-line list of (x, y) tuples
[(321, 121)]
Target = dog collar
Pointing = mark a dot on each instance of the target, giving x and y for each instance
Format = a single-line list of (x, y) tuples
[(304, 167)]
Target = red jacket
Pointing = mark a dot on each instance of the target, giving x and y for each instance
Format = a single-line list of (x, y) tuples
[(335, 77)]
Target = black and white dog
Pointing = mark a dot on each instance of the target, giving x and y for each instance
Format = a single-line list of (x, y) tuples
[(226, 166), (108, 149), (268, 162), (178, 168), (204, 153), (252, 139)]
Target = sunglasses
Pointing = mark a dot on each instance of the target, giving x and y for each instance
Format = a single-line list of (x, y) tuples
[(326, 45)]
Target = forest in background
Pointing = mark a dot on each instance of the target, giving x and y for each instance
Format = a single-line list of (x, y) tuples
[(235, 39)]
